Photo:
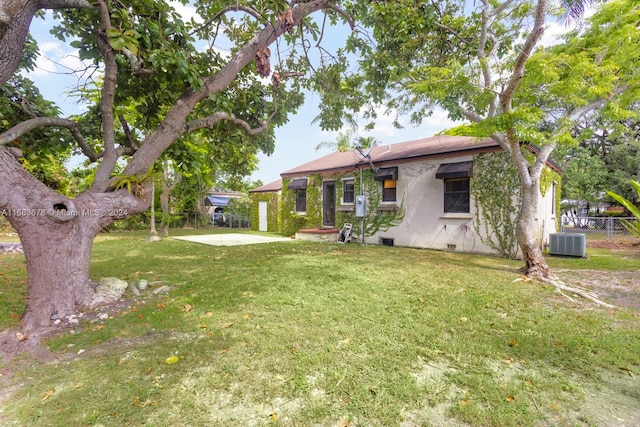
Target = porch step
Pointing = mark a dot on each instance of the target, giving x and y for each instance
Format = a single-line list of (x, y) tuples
[(329, 235)]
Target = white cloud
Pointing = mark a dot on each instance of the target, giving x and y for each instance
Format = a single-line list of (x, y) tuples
[(186, 11)]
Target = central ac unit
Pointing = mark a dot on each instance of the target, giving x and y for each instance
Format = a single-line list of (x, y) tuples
[(568, 244)]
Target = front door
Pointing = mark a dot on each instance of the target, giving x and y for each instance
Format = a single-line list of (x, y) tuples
[(329, 204), (262, 216)]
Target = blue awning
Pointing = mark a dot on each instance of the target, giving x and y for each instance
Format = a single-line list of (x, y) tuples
[(216, 201)]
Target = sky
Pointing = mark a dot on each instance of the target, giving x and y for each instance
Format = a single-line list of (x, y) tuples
[(295, 142)]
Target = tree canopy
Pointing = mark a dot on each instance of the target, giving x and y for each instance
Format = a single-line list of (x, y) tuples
[(200, 92)]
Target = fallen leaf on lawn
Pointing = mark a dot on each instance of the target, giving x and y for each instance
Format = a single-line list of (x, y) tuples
[(78, 386), (554, 407), (161, 305), (203, 326), (464, 402), (223, 351), (47, 394), (293, 351), (464, 319), (273, 416), (227, 325), (139, 404), (171, 360), (246, 316), (187, 308), (21, 337), (149, 370), (509, 360), (510, 399), (208, 314), (528, 383), (514, 343), (344, 422)]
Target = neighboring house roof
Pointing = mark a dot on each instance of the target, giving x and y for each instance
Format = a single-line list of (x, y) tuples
[(270, 187), (436, 146)]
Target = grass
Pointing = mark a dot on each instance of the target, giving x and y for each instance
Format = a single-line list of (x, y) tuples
[(299, 334)]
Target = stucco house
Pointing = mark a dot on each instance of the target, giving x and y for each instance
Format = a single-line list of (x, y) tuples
[(443, 192)]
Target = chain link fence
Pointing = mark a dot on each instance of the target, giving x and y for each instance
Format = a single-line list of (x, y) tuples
[(611, 226), (186, 220)]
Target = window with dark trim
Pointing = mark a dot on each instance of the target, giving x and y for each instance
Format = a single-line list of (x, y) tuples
[(301, 200), (348, 191), (456, 195), (389, 190)]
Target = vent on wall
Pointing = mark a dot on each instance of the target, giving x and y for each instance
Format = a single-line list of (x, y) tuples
[(386, 242), (568, 244)]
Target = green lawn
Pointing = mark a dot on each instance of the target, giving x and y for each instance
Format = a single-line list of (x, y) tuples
[(303, 334)]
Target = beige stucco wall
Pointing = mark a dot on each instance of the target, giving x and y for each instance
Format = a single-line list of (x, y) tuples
[(427, 226)]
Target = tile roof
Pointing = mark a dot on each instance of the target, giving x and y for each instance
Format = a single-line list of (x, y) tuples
[(436, 146), (272, 186)]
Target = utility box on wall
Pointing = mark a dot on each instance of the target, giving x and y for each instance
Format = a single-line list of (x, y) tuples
[(361, 206)]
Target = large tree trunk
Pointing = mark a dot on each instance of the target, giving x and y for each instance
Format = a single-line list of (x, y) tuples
[(58, 257), (57, 234), (535, 263)]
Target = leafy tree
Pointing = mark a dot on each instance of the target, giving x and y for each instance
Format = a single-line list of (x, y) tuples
[(345, 142), (480, 61), (585, 178), (632, 227), (180, 83), (614, 142)]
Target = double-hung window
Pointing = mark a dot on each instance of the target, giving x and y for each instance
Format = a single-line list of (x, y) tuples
[(348, 191), (456, 195), (389, 190), (301, 201), (388, 177), (456, 177), (299, 185)]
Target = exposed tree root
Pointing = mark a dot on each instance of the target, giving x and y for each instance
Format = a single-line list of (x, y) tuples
[(581, 292), (11, 346)]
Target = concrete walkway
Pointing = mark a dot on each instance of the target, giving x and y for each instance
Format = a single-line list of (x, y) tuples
[(231, 239)]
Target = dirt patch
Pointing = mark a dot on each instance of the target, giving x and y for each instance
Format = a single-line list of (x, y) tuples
[(620, 288)]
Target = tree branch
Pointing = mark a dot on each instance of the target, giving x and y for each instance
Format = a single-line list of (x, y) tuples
[(347, 17), (237, 8), (137, 65), (31, 124), (518, 69), (482, 57), (15, 19), (127, 132), (580, 111), (106, 100), (212, 120), (173, 125)]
